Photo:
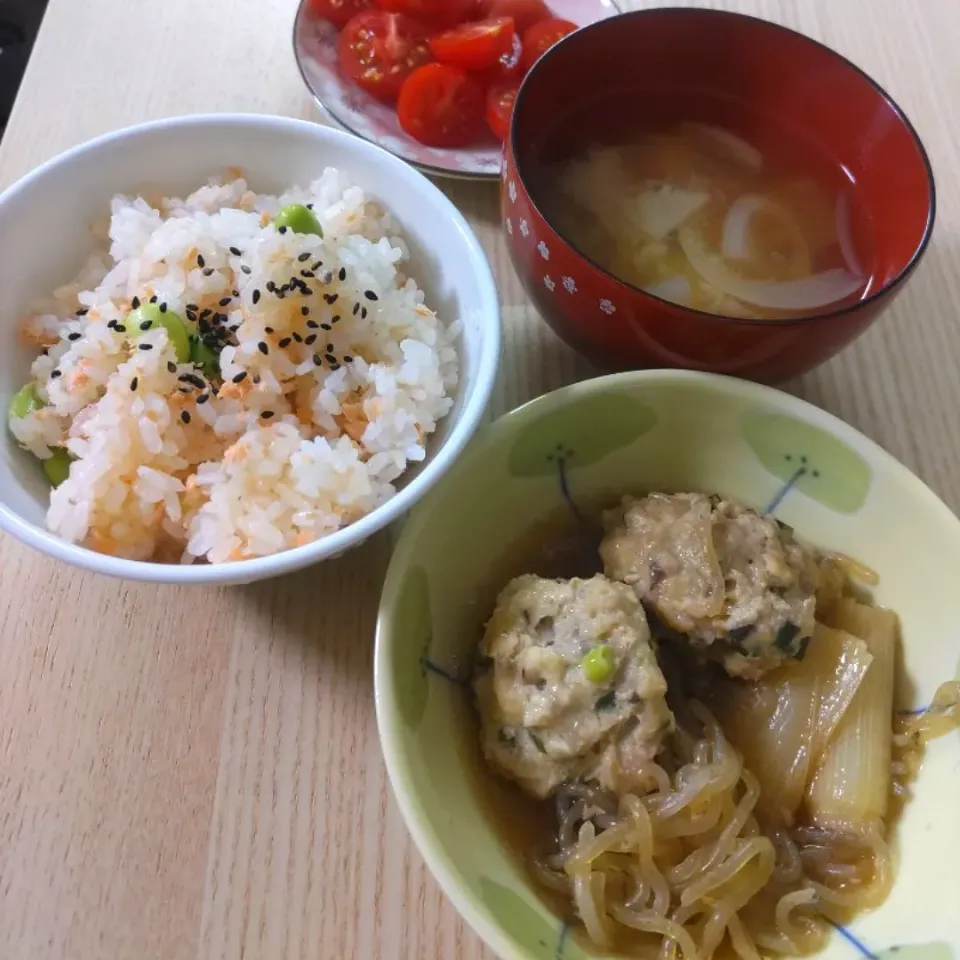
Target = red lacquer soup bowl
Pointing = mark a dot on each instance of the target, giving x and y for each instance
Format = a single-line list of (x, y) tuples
[(650, 68)]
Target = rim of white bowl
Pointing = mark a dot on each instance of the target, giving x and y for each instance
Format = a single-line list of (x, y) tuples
[(388, 724), (474, 405)]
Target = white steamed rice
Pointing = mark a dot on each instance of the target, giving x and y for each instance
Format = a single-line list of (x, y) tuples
[(312, 438)]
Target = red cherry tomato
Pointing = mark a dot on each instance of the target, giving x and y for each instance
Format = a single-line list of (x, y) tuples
[(542, 36), (437, 13), (474, 46), (338, 12), (500, 101), (509, 68), (441, 106), (524, 13), (378, 51)]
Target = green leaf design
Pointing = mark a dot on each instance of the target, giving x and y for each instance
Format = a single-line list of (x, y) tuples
[(414, 625), (526, 926), (812, 460), (582, 433)]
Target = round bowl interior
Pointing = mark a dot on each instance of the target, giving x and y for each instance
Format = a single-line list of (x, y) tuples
[(592, 443), (653, 69), (50, 212)]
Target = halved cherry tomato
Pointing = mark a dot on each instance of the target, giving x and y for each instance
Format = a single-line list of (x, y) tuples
[(474, 46), (525, 13), (378, 51), (441, 106), (436, 13), (500, 101), (338, 12), (539, 38), (508, 68)]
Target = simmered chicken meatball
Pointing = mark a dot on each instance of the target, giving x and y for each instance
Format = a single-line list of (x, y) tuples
[(569, 685), (736, 583)]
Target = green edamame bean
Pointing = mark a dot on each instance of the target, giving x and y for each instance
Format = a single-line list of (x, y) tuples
[(299, 219), (57, 467), (205, 358), (599, 664), (24, 401), (149, 316)]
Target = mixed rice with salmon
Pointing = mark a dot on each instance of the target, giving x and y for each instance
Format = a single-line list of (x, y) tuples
[(234, 375)]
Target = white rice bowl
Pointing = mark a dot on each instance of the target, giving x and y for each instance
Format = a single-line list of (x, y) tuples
[(329, 389)]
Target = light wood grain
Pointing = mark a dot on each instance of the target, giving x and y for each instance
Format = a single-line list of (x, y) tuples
[(195, 775)]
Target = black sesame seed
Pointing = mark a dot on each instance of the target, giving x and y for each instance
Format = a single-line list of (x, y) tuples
[(146, 346), (240, 377), (330, 358), (192, 378), (112, 325), (225, 301), (336, 319), (208, 272), (135, 303), (347, 358), (309, 206), (309, 274), (280, 294), (82, 311), (304, 257), (120, 328), (55, 374), (203, 398), (163, 308), (256, 378), (266, 414), (153, 299), (235, 293), (363, 313), (325, 326), (268, 329), (306, 291), (317, 265), (334, 366), (245, 269), (201, 263), (284, 343), (342, 274), (282, 229), (235, 251), (370, 295), (297, 337), (133, 383), (317, 362), (204, 314), (185, 417), (171, 367), (192, 307), (74, 336), (309, 340), (330, 297), (146, 325), (356, 309), (271, 286), (256, 296), (263, 348), (312, 324)]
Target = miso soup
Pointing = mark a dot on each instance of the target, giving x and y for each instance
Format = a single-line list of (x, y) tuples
[(696, 214)]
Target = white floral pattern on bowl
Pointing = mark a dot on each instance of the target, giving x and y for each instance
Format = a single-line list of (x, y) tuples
[(315, 50)]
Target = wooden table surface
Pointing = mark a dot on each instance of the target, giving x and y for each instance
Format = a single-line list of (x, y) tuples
[(191, 775)]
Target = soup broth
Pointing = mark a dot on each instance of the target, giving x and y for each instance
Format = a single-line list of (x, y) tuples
[(696, 214)]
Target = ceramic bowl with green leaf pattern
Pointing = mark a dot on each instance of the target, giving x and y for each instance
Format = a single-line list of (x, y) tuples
[(656, 430)]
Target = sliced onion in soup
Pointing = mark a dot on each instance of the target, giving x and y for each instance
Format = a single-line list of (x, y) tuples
[(808, 293), (735, 244)]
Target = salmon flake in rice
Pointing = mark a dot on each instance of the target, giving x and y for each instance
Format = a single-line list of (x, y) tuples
[(320, 374)]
